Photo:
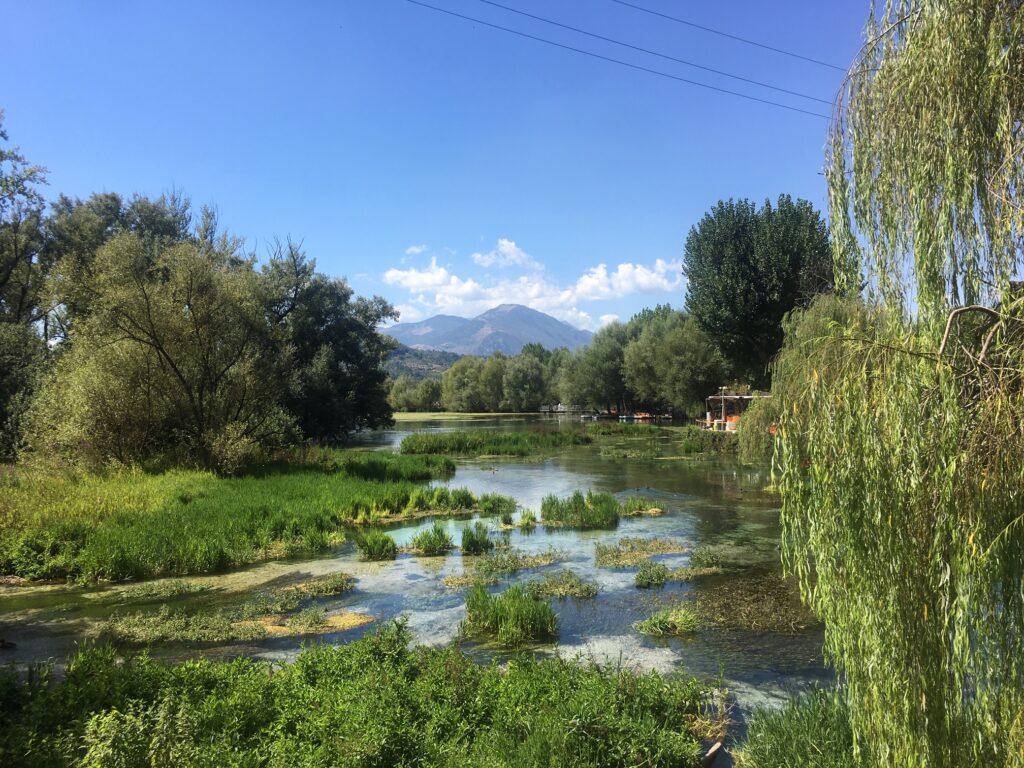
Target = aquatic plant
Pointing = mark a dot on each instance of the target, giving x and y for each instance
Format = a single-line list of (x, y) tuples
[(392, 467), (504, 562), (490, 443), (562, 584), (164, 589), (595, 510), (376, 545), (678, 620), (328, 585), (494, 504), (629, 551), (705, 557), (606, 428), (651, 574), (375, 697), (433, 541), (528, 519), (476, 539), (167, 625), (640, 505), (513, 617)]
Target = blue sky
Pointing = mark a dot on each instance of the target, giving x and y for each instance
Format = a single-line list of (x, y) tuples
[(444, 165)]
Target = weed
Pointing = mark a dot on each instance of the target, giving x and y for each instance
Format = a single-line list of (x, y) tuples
[(513, 617), (651, 574), (562, 584), (640, 505), (678, 620), (433, 541), (475, 539), (508, 561), (488, 443), (492, 504), (595, 510), (633, 551), (528, 519), (705, 557), (376, 545), (161, 590)]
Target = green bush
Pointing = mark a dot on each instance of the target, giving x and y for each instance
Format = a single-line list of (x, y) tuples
[(562, 584), (514, 617), (651, 574), (433, 541), (811, 730), (475, 539), (595, 510), (376, 545), (371, 702), (696, 440)]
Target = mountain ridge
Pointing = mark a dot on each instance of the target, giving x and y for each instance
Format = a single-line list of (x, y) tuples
[(506, 328)]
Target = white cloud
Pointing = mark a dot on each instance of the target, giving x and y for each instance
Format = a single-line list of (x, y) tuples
[(415, 250), (434, 289), (507, 254)]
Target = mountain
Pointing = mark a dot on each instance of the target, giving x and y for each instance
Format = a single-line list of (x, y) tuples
[(506, 328), (418, 363)]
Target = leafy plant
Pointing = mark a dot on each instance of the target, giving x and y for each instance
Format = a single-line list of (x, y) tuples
[(513, 617)]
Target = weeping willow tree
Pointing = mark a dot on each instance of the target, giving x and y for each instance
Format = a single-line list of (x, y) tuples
[(901, 451)]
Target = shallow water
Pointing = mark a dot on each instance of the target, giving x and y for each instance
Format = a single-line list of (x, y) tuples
[(716, 502)]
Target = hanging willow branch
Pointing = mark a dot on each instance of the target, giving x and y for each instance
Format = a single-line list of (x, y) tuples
[(901, 448)]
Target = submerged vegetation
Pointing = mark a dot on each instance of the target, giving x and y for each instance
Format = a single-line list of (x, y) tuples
[(629, 551), (561, 584), (513, 617), (131, 524), (375, 698), (651, 574), (488, 443)]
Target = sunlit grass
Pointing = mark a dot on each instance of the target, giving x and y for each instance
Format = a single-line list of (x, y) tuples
[(513, 618), (490, 443)]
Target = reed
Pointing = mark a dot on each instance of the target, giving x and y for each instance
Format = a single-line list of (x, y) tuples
[(476, 540), (595, 510), (562, 584), (651, 574), (513, 617), (678, 620), (433, 541), (489, 443), (376, 545)]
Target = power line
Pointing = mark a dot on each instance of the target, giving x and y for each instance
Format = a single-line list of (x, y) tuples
[(730, 36), (637, 67), (655, 53)]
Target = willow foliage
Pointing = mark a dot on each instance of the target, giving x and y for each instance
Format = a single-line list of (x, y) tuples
[(901, 450)]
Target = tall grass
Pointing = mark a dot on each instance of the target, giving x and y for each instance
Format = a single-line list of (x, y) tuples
[(651, 574), (482, 442), (476, 540), (562, 584), (595, 510), (376, 545), (514, 617), (136, 525), (494, 504), (606, 428), (433, 541), (678, 620), (374, 701)]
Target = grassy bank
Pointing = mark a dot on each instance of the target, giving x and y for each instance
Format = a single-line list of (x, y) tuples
[(133, 524), (373, 702), (489, 443)]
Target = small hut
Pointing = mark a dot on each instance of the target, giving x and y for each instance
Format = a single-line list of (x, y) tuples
[(725, 408)]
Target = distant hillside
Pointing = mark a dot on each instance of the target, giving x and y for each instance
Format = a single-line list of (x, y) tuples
[(418, 363), (503, 329)]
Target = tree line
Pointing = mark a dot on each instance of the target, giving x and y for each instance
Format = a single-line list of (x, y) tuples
[(746, 268), (133, 330)]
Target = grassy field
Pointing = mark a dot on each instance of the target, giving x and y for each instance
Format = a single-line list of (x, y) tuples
[(372, 702), (490, 443), (134, 524)]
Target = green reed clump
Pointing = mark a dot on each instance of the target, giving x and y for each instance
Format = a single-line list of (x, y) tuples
[(562, 584), (169, 626), (528, 519), (307, 620), (678, 620), (377, 698), (433, 541), (488, 443), (494, 504), (505, 562), (513, 617), (392, 467), (651, 574), (705, 557), (813, 729), (595, 510), (629, 551), (376, 545), (476, 540), (605, 428), (161, 590), (693, 439), (640, 505)]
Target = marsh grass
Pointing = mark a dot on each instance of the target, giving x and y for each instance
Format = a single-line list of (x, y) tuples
[(629, 551), (496, 505), (130, 524), (562, 584), (513, 617), (476, 540), (592, 511), (307, 620), (760, 600), (376, 545), (640, 505), (490, 443), (677, 620), (705, 557), (651, 574), (528, 519), (374, 701), (617, 428), (813, 729), (504, 562), (433, 541), (167, 589)]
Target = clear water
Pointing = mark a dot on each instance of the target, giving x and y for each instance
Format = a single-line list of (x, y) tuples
[(718, 502)]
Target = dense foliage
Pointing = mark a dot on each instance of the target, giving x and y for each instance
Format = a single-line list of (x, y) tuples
[(132, 332), (901, 451), (373, 702), (746, 268), (486, 443)]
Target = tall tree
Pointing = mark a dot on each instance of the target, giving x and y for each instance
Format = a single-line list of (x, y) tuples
[(746, 268), (901, 451)]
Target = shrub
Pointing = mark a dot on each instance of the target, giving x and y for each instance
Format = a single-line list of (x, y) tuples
[(376, 545), (433, 541), (678, 620), (475, 539), (595, 510), (513, 617), (629, 551), (651, 574)]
